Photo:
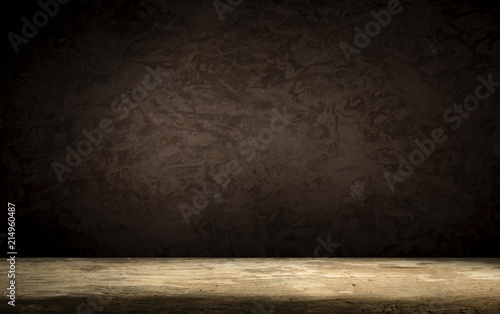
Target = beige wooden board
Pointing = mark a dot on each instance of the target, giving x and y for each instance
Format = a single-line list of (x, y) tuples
[(274, 285)]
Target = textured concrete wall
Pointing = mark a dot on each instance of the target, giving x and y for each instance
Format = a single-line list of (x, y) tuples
[(254, 128)]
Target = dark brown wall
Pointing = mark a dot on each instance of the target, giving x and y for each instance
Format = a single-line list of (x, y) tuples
[(178, 174)]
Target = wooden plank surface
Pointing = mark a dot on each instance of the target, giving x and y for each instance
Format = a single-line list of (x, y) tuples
[(255, 285)]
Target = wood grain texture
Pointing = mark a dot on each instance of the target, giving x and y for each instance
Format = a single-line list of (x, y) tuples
[(202, 285)]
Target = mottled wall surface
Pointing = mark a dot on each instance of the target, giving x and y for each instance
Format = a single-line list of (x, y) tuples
[(254, 128)]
